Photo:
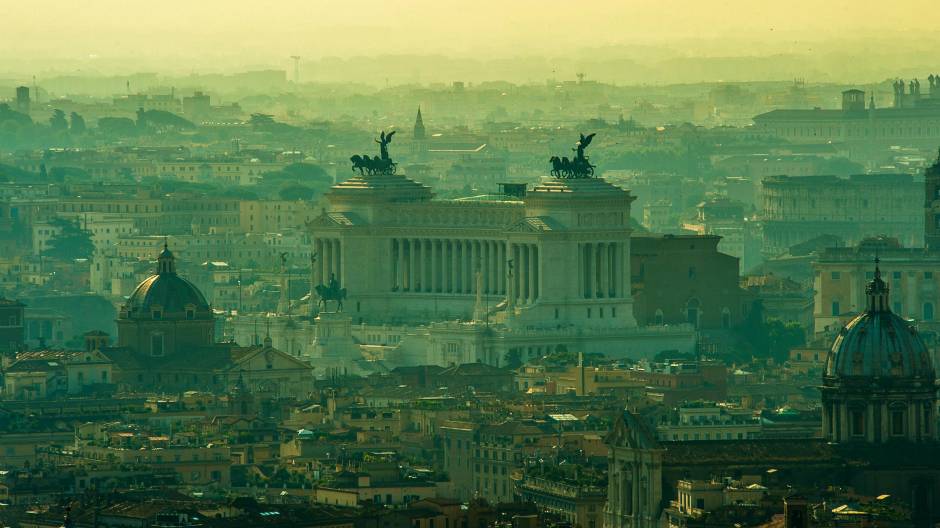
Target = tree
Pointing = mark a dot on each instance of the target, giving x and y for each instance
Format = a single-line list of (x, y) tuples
[(513, 358), (58, 120), (296, 192), (261, 120), (71, 243), (117, 126), (77, 125), (8, 114), (771, 338)]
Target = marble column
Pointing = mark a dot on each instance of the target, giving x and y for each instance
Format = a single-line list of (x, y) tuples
[(616, 272), (416, 247), (435, 282), (533, 273), (589, 275), (453, 267), (402, 263), (318, 265), (338, 260)]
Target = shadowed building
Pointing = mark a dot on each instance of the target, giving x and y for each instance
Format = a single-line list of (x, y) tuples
[(166, 341), (879, 422)]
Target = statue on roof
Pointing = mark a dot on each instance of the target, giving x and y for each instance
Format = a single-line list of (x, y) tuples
[(381, 164), (579, 167)]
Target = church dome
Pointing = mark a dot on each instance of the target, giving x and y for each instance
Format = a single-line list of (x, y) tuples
[(878, 344), (166, 293)]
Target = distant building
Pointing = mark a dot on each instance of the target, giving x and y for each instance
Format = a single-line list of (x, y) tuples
[(864, 205), (879, 435), (12, 322), (912, 120), (22, 99), (685, 279), (166, 340)]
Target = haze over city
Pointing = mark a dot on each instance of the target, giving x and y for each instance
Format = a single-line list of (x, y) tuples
[(655, 39), (440, 264)]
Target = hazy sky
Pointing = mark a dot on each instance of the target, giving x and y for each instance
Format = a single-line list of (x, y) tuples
[(195, 32)]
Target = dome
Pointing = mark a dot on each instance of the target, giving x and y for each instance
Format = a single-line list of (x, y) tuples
[(878, 343), (176, 297)]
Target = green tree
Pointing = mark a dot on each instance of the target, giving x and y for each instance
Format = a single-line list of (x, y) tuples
[(71, 243), (513, 358), (8, 114), (77, 125), (296, 192), (117, 126), (58, 120), (770, 338)]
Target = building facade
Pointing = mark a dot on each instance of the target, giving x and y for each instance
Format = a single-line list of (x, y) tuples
[(798, 209)]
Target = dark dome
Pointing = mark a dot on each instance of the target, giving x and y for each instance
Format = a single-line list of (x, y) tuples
[(878, 343), (174, 295)]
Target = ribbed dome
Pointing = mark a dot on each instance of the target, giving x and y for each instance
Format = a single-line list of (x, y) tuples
[(174, 295), (878, 343)]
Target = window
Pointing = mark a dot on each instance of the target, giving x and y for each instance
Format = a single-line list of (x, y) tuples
[(658, 318), (835, 308), (725, 318), (897, 422), (858, 422), (928, 311), (835, 275), (896, 275), (928, 274)]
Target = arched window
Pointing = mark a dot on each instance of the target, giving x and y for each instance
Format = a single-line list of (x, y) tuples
[(928, 311), (898, 419), (658, 318), (725, 318), (692, 314), (857, 421)]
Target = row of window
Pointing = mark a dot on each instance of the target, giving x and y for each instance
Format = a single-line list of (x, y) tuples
[(836, 275), (927, 310)]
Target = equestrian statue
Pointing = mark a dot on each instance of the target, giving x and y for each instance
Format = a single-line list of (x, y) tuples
[(331, 292), (381, 164), (579, 167)]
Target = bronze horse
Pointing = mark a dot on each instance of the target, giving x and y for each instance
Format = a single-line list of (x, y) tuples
[(326, 293)]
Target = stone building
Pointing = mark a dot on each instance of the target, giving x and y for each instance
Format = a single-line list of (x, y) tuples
[(879, 383), (841, 273), (798, 209), (476, 278), (166, 341), (913, 119), (879, 422), (681, 279)]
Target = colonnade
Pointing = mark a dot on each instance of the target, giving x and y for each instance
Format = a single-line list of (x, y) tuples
[(525, 273), (329, 260), (602, 266), (423, 265)]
